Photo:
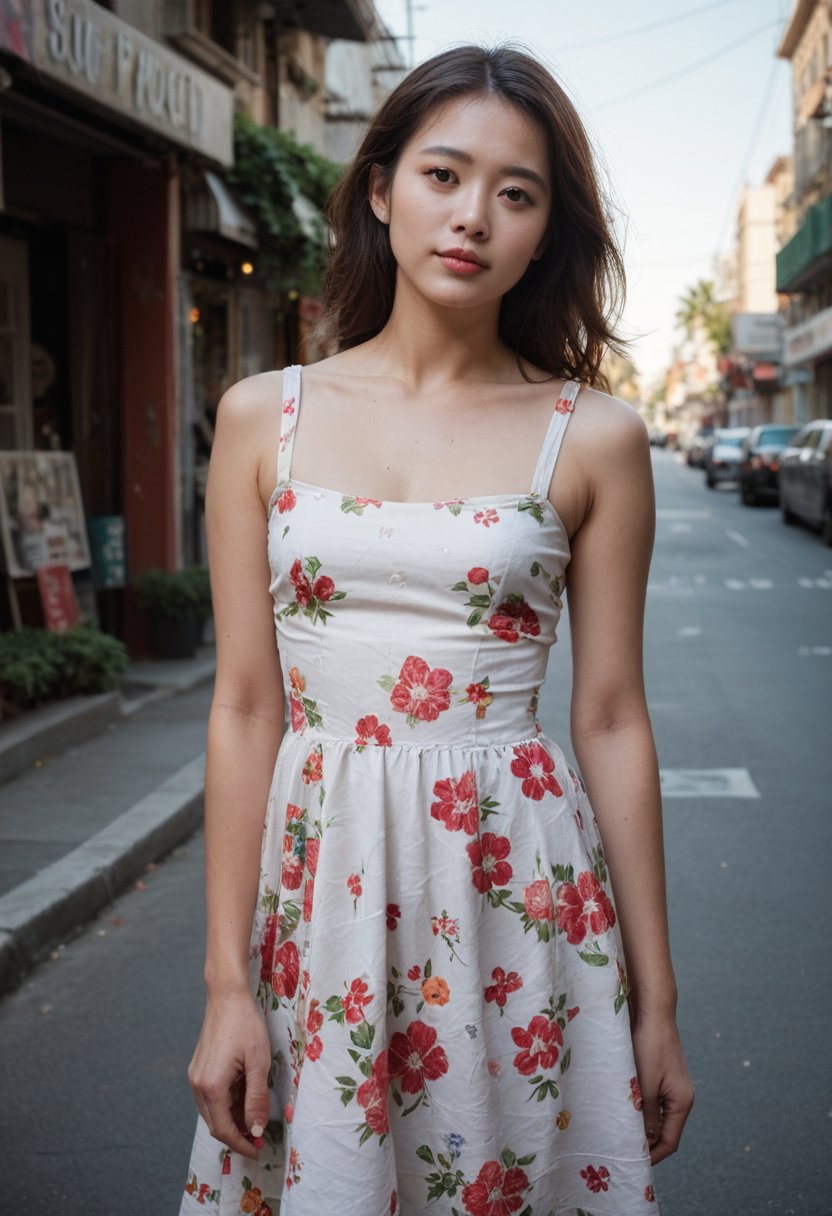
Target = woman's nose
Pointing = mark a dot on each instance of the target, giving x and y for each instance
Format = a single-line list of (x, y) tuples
[(470, 216)]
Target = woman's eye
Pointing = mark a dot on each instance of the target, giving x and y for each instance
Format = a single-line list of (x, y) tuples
[(443, 176), (515, 195)]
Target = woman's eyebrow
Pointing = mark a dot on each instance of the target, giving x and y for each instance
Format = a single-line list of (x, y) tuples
[(467, 159)]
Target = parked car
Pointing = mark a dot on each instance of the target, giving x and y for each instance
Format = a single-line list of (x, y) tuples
[(722, 458), (805, 477), (759, 461), (696, 446)]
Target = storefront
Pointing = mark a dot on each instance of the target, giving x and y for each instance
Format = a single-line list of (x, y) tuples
[(808, 359), (100, 128)]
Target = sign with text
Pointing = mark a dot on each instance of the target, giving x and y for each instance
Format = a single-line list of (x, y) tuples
[(41, 513), (57, 597), (91, 51)]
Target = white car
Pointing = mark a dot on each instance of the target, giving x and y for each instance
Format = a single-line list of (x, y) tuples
[(722, 458)]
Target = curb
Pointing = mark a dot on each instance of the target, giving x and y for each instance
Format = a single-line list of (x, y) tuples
[(63, 896), (53, 729)]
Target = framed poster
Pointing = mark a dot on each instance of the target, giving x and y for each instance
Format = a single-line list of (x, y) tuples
[(57, 597), (41, 513)]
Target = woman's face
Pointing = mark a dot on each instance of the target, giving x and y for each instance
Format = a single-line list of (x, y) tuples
[(468, 206)]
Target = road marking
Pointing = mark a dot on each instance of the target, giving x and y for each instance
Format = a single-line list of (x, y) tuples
[(689, 631), (762, 584), (807, 650), (735, 584), (823, 583), (681, 513), (737, 537), (707, 783), (680, 527)]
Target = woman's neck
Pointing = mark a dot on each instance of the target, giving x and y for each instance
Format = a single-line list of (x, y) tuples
[(428, 346)]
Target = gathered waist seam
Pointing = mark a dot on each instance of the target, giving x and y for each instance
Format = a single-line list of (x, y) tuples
[(317, 736)]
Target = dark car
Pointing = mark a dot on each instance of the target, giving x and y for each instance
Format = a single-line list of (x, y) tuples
[(759, 461), (722, 458), (805, 477)]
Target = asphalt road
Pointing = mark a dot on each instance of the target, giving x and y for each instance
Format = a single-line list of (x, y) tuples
[(97, 1116)]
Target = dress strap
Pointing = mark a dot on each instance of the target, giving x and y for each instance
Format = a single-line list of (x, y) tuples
[(564, 407), (290, 404)]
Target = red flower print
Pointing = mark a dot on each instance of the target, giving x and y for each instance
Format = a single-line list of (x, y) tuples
[(372, 1096), (354, 885), (313, 769), (496, 1191), (323, 588), (536, 768), (297, 682), (289, 405), (477, 575), (635, 1093), (539, 1042), (486, 518), (286, 501), (479, 695), (457, 805), (393, 1202), (292, 871), (286, 969), (226, 1163), (513, 618), (393, 914), (649, 1194), (581, 906), (301, 584), (369, 730), (415, 1057), (414, 973), (314, 1047), (596, 1179), (564, 406), (421, 693), (572, 1013), (314, 1018), (308, 896), (368, 502), (355, 1000), (298, 714), (502, 986), (494, 1068), (537, 900), (488, 865), (267, 946), (313, 845)]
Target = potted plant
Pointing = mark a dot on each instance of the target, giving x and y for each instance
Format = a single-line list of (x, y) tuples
[(176, 603)]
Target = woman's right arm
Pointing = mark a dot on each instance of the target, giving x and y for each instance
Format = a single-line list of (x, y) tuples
[(245, 727)]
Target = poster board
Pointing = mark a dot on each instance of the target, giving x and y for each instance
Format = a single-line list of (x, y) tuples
[(57, 597), (41, 513)]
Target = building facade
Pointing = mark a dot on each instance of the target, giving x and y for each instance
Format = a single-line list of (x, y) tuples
[(129, 292)]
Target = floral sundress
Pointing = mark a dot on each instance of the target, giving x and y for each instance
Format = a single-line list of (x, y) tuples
[(435, 947)]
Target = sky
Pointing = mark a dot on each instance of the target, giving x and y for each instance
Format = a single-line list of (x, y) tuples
[(680, 117)]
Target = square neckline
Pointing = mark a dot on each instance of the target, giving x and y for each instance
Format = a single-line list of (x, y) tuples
[(290, 482)]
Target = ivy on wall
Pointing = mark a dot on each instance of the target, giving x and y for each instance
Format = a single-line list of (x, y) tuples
[(278, 178)]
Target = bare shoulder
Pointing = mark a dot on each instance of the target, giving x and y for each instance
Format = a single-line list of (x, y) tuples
[(244, 402), (248, 424), (607, 434)]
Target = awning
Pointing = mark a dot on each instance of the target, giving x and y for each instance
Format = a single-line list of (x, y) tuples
[(353, 20), (211, 207)]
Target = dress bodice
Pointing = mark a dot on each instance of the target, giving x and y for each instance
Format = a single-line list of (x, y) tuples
[(435, 619)]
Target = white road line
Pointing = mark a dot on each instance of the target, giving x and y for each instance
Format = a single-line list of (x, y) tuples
[(826, 583), (737, 537), (735, 584), (805, 651), (806, 582), (680, 527), (762, 584), (707, 783), (689, 631), (681, 513)]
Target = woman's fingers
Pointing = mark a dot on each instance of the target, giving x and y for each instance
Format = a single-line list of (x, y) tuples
[(219, 1101), (675, 1108)]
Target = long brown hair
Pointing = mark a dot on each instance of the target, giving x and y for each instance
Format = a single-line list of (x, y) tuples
[(560, 315)]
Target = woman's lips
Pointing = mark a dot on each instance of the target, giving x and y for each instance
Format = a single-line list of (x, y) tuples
[(460, 262)]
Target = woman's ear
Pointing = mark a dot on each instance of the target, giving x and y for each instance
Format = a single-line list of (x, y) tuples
[(541, 249), (379, 194)]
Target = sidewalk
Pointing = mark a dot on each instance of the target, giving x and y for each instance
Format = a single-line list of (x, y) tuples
[(82, 817)]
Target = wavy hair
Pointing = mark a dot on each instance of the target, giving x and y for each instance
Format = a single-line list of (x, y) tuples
[(561, 314)]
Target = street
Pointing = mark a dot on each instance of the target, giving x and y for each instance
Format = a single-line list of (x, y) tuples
[(97, 1116)]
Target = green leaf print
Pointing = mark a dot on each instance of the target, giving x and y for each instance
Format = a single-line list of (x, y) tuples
[(388, 683), (527, 1160), (475, 618), (533, 505), (594, 957), (566, 1060), (347, 1081), (424, 1153), (363, 1035), (508, 1158)]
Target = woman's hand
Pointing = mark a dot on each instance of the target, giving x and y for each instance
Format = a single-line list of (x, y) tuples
[(666, 1087), (229, 1072)]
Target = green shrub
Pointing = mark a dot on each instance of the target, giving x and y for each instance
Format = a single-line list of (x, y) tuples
[(37, 665), (176, 594)]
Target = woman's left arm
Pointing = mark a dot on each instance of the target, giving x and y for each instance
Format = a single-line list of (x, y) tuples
[(614, 747)]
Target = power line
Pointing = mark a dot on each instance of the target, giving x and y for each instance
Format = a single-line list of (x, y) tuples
[(688, 68), (643, 29)]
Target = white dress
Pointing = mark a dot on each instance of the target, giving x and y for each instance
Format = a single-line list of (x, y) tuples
[(435, 947)]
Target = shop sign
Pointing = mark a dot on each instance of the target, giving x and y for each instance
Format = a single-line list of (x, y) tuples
[(810, 340), (41, 513), (89, 49), (57, 597), (757, 333)]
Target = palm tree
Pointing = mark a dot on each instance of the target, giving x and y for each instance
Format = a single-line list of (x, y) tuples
[(699, 306)]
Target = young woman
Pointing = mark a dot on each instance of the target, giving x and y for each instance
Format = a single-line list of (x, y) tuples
[(417, 994)]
